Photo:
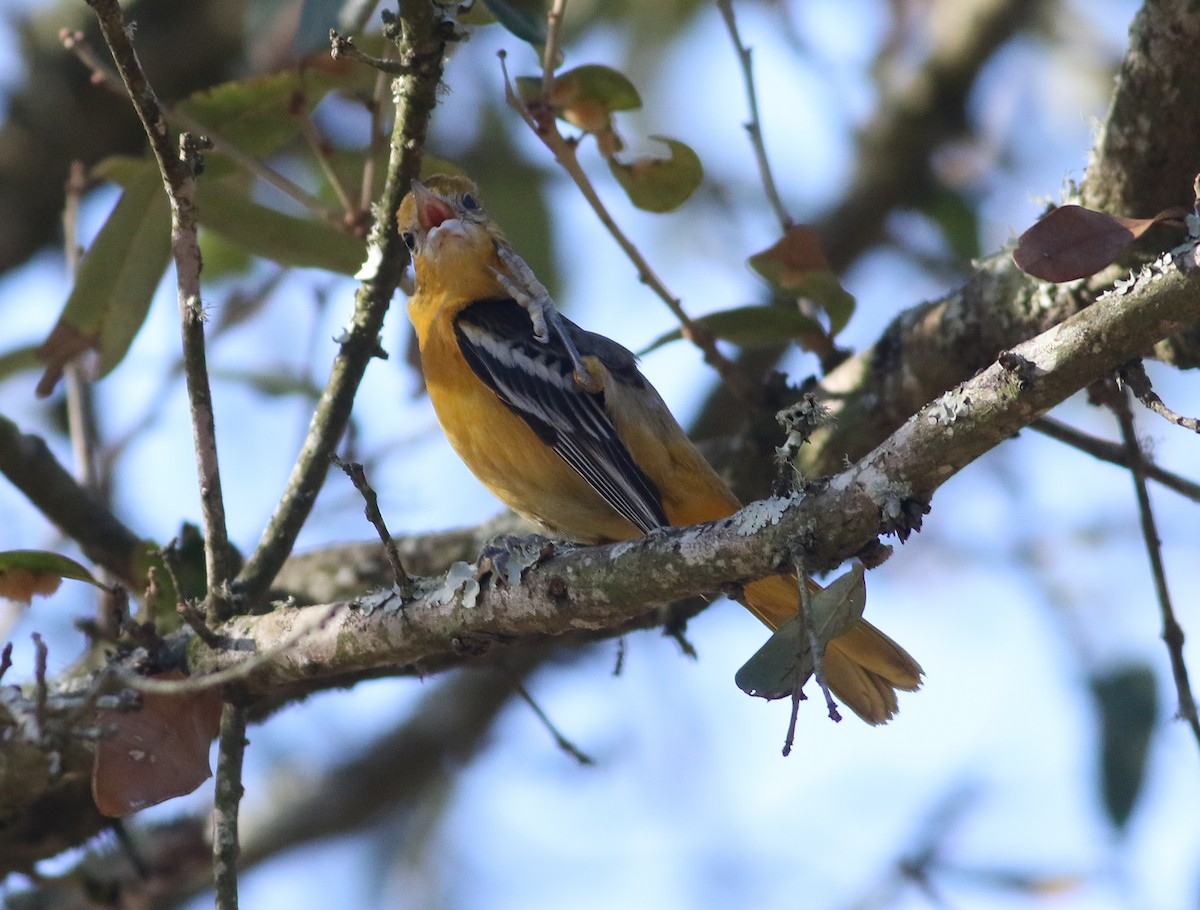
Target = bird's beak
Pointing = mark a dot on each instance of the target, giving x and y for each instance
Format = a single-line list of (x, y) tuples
[(432, 209)]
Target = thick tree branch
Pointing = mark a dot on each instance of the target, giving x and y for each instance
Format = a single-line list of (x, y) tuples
[(603, 588), (1140, 166), (926, 350), (28, 463)]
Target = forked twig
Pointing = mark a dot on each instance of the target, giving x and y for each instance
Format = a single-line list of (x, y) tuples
[(1117, 401), (564, 150)]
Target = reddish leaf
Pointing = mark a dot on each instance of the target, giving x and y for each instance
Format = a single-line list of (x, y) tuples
[(1073, 242), (795, 254), (158, 752), (796, 265)]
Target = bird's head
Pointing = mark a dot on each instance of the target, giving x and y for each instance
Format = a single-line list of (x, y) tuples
[(446, 228)]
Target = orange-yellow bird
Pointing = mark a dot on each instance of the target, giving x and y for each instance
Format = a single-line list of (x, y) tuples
[(566, 431)]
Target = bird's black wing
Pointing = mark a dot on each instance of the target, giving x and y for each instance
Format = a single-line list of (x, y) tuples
[(535, 381)]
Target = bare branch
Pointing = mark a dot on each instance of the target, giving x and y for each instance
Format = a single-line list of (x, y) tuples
[(1115, 398), (754, 126), (358, 476), (228, 798), (1134, 376), (179, 178), (1114, 454)]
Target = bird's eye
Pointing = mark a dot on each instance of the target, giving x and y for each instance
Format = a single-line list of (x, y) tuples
[(469, 202), (410, 241)]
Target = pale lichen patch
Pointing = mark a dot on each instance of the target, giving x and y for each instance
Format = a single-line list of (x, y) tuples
[(759, 515), (460, 577)]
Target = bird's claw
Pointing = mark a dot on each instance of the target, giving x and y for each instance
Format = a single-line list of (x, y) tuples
[(512, 555), (521, 284)]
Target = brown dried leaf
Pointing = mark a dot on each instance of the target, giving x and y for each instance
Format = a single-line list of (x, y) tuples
[(786, 263), (1074, 242), (158, 752)]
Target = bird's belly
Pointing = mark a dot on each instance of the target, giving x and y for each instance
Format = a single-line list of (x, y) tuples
[(519, 469)]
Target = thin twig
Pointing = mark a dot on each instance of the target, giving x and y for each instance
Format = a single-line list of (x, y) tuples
[(810, 641), (228, 797), (1172, 634), (196, 622), (754, 125), (1134, 375), (81, 411), (554, 22), (814, 642), (179, 178), (422, 48), (1104, 450), (367, 189), (74, 42), (318, 147), (564, 152), (140, 867), (563, 743), (358, 476), (5, 659), (41, 654), (341, 46)]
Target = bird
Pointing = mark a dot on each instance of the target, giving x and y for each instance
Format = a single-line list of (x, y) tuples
[(562, 427)]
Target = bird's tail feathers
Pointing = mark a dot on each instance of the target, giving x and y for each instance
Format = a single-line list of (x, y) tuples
[(863, 668)]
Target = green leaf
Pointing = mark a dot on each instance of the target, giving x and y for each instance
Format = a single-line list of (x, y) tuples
[(586, 95), (749, 326), (660, 184), (286, 239), (222, 258), (117, 277), (190, 572), (524, 18), (258, 114), (24, 573), (786, 658), (958, 220), (1127, 701), (19, 360), (825, 290), (276, 383)]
